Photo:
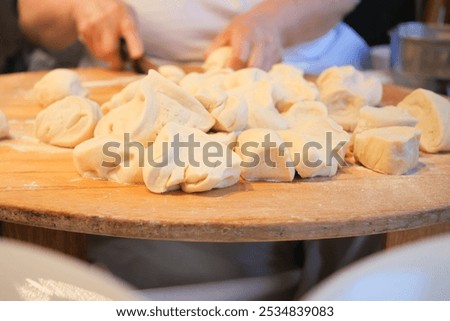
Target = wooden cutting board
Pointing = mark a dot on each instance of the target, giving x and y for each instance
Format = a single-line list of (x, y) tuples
[(39, 186)]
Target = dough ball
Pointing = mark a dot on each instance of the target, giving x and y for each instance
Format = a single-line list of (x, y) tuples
[(110, 158), (204, 165), (229, 111), (264, 156), (67, 122), (287, 93), (218, 59), (261, 107), (433, 114), (303, 109), (374, 117), (122, 97), (172, 72), (389, 150), (318, 146), (4, 125), (56, 85), (284, 72)]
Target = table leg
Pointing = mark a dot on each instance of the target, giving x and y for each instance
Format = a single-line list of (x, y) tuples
[(74, 244), (400, 237)]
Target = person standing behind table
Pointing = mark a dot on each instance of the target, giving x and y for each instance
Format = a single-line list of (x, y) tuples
[(181, 31)]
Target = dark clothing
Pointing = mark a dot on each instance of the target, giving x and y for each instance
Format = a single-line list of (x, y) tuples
[(372, 19), (13, 46)]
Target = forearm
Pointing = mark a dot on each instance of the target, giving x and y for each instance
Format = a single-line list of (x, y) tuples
[(48, 23), (304, 20)]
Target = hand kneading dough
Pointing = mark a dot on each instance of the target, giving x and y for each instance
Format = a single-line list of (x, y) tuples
[(67, 122), (172, 72), (388, 150), (122, 97), (195, 169), (264, 156), (433, 114), (56, 85), (218, 59), (157, 102), (345, 90), (4, 126), (106, 157)]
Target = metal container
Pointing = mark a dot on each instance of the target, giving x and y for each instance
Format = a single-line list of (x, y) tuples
[(420, 55)]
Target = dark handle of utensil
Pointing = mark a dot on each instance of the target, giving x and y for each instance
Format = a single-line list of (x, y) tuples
[(125, 56)]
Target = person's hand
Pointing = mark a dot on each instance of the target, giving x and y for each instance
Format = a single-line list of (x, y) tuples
[(100, 25), (255, 41)]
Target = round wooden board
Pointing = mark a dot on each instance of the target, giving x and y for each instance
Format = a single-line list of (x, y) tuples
[(40, 187)]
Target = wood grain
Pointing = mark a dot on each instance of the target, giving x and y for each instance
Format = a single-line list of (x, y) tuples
[(40, 187), (74, 244)]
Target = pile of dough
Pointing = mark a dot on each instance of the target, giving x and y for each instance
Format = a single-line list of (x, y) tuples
[(67, 122), (172, 72), (264, 156), (56, 85), (388, 150), (433, 114), (4, 125), (106, 157), (122, 97), (218, 59), (157, 102), (345, 91), (204, 165), (317, 146)]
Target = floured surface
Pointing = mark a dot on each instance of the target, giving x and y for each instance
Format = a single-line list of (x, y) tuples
[(40, 186)]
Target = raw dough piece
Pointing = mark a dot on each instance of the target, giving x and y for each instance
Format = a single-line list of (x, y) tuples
[(388, 150), (433, 114), (294, 116), (122, 97), (157, 102), (326, 146), (261, 108), (227, 139), (245, 78), (172, 72), (287, 93), (4, 125), (284, 72), (218, 59), (345, 91), (67, 122), (374, 117), (107, 157), (56, 85), (260, 160), (229, 111), (189, 168), (389, 116)]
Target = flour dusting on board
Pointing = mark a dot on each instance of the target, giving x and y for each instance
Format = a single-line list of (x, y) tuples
[(21, 139)]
